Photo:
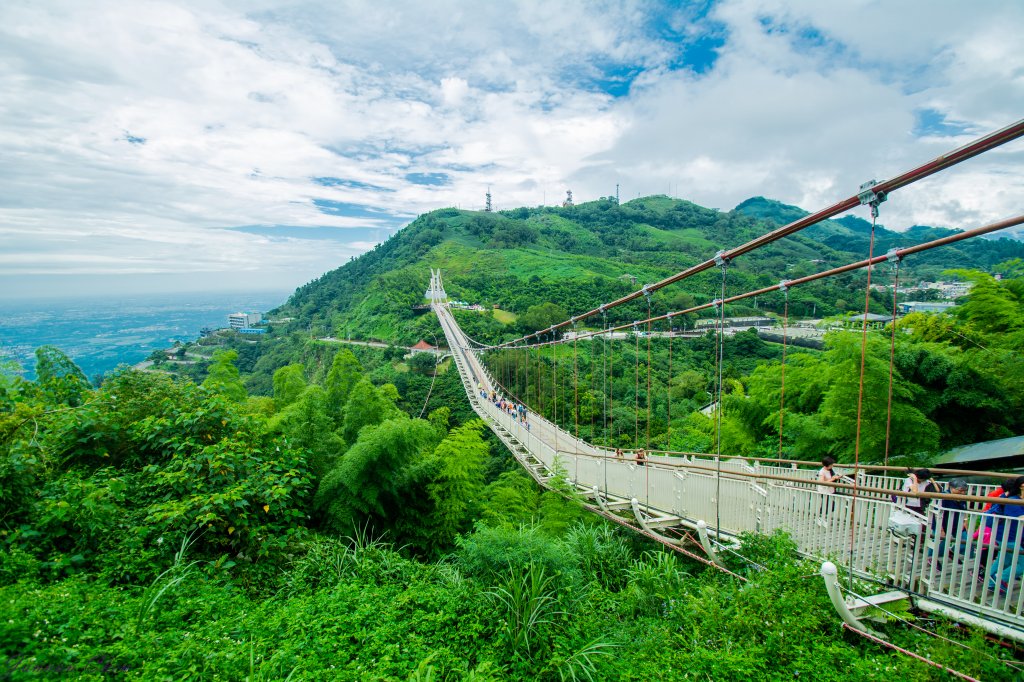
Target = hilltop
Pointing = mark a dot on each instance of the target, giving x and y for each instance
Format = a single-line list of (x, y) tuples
[(578, 256)]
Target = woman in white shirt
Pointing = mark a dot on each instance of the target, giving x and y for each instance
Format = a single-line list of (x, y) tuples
[(826, 475)]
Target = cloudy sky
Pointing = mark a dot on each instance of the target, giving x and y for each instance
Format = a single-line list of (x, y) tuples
[(181, 145)]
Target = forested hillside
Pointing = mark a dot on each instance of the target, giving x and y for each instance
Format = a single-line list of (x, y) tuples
[(579, 256)]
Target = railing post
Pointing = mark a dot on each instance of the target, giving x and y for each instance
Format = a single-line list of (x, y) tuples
[(705, 542), (830, 574)]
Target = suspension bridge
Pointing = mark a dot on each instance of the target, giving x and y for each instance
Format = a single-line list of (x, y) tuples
[(700, 503)]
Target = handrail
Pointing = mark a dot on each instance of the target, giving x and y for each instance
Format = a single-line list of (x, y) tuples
[(832, 484)]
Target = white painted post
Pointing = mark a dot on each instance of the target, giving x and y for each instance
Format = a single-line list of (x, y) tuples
[(705, 542), (830, 574)]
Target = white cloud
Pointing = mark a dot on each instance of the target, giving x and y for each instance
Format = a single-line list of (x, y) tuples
[(133, 132)]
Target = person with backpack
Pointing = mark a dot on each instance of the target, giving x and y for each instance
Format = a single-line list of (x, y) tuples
[(925, 484)]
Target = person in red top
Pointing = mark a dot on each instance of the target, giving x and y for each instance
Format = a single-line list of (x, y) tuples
[(998, 492)]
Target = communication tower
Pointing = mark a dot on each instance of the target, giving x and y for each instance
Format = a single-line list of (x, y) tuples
[(616, 194), (568, 198), (487, 205)]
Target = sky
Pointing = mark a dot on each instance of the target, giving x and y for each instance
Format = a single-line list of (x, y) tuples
[(220, 145)]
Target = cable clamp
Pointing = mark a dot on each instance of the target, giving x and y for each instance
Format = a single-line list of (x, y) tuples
[(670, 315), (869, 197), (646, 290), (720, 259), (783, 287), (893, 255), (601, 308)]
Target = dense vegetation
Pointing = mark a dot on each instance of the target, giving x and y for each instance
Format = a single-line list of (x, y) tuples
[(294, 507), (156, 529)]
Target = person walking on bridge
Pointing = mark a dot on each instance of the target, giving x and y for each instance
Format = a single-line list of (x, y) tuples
[(826, 475)]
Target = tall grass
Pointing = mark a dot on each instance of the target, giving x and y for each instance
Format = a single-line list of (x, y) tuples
[(168, 581), (529, 602)]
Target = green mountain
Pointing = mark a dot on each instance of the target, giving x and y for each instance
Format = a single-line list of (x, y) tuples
[(851, 234), (580, 256)]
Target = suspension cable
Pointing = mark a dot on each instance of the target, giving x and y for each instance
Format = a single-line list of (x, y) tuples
[(636, 387), (554, 386), (782, 389), (860, 389), (720, 359), (611, 386), (648, 437), (575, 391), (892, 646), (892, 357), (668, 422), (926, 631), (593, 389)]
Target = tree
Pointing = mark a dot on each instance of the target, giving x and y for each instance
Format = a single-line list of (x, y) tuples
[(222, 376), (366, 405), (424, 363), (510, 500), (456, 487), (911, 431), (369, 482), (993, 306), (306, 424), (542, 316), (289, 383), (61, 379), (344, 375)]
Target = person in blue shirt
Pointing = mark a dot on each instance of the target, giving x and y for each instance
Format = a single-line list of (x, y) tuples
[(1004, 519)]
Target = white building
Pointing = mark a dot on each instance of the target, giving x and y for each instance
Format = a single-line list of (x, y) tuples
[(244, 320)]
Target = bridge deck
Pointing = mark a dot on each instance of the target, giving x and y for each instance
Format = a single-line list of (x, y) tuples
[(733, 497)]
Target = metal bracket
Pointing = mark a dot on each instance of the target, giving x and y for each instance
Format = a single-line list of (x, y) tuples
[(783, 287), (830, 575), (646, 290), (869, 197), (720, 259), (893, 255), (635, 504), (705, 542)]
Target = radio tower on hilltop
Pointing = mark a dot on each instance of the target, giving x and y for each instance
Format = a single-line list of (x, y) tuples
[(568, 198), (616, 194), (487, 204)]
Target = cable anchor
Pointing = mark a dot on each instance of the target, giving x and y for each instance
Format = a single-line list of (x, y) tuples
[(869, 197)]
